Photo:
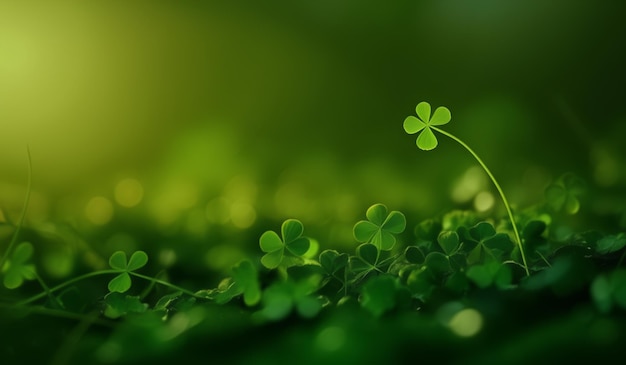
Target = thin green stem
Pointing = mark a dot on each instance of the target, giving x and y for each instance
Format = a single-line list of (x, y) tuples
[(169, 285), (20, 223), (67, 283), (493, 179), (49, 291)]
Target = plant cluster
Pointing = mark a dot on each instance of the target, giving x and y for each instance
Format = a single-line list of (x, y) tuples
[(438, 270)]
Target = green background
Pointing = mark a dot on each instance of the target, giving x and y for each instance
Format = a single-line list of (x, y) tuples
[(295, 108)]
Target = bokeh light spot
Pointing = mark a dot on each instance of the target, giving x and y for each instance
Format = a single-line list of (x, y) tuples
[(484, 201), (466, 322), (128, 193), (471, 183), (99, 210), (242, 215)]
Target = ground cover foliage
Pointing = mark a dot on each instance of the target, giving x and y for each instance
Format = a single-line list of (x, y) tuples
[(458, 287)]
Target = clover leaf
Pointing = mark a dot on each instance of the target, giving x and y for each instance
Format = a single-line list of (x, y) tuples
[(611, 243), (380, 294), (482, 238), (281, 298), (118, 261), (118, 305), (16, 269), (380, 227), (608, 290), (292, 240), (563, 194), (426, 140)]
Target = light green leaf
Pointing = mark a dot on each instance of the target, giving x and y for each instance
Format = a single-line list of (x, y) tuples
[(118, 260), (272, 260), (377, 214), (423, 111), (120, 284), (138, 260), (299, 246), (395, 222), (368, 253), (379, 294), (246, 276), (364, 231), (427, 140), (441, 116), (22, 253), (270, 242), (448, 241), (413, 125), (291, 229)]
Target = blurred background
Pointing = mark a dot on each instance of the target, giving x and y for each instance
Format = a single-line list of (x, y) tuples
[(154, 122)]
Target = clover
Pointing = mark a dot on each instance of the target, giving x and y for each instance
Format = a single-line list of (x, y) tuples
[(380, 227), (292, 240), (424, 124), (16, 269), (118, 261), (427, 141), (563, 194)]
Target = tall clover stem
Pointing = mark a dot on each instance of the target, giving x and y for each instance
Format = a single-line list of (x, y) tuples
[(493, 179)]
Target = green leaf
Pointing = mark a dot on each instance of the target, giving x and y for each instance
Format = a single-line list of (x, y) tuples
[(380, 227), (247, 278), (379, 294), (395, 222), (413, 125), (601, 292), (138, 260), (449, 242), (414, 255), (441, 116), (482, 230), (377, 214), (272, 260), (437, 262), (270, 242), (368, 253), (611, 243), (291, 230), (118, 260), (428, 230), (298, 246), (16, 269), (423, 111), (118, 305), (426, 140), (22, 253), (120, 284), (332, 262)]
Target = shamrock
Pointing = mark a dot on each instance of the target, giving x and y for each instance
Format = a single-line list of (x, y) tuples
[(16, 269), (380, 227), (118, 261), (563, 194), (292, 240), (426, 140)]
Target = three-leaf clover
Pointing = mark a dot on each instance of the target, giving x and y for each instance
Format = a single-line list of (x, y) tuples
[(16, 269), (118, 261), (426, 140), (563, 194), (380, 227), (274, 246)]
